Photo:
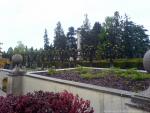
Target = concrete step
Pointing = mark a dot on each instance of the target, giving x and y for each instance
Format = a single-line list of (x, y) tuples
[(140, 102)]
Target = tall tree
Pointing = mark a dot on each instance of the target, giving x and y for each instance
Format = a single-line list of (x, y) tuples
[(71, 41), (111, 37), (95, 32), (59, 38), (10, 52), (135, 39), (20, 48), (46, 40), (85, 31)]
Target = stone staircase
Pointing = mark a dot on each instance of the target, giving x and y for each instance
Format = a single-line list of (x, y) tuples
[(140, 102)]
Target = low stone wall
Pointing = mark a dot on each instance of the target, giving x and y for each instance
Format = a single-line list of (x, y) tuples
[(104, 100)]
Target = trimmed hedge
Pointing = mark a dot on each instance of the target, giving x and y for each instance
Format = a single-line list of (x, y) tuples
[(119, 63)]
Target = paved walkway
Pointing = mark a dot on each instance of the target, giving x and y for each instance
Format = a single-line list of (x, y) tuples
[(2, 93)]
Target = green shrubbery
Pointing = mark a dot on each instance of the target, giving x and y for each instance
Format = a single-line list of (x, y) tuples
[(119, 63), (52, 71), (89, 73), (132, 74)]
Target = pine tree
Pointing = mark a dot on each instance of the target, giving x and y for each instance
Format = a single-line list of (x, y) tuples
[(46, 40), (60, 38)]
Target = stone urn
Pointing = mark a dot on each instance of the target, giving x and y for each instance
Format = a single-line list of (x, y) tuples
[(17, 60), (146, 61)]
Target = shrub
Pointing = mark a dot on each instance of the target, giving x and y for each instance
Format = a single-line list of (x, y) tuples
[(52, 72), (82, 70), (131, 74), (44, 102)]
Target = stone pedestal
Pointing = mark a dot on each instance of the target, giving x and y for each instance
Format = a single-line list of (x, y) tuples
[(14, 84)]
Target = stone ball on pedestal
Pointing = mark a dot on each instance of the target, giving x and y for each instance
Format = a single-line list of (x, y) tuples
[(17, 59), (146, 61)]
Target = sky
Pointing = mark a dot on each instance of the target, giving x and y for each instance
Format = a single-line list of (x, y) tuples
[(26, 20)]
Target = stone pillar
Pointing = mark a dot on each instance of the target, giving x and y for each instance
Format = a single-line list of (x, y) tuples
[(11, 83), (15, 84), (16, 76), (78, 44)]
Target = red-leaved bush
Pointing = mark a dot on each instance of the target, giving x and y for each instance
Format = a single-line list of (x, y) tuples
[(44, 102)]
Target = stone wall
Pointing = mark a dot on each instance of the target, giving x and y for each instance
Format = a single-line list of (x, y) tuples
[(104, 100)]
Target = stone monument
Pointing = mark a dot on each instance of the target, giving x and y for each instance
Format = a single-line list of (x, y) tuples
[(78, 44), (146, 61)]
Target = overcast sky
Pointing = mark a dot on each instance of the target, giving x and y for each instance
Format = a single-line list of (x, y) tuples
[(25, 20)]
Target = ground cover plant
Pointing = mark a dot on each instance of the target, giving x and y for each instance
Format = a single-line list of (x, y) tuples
[(45, 102), (129, 80)]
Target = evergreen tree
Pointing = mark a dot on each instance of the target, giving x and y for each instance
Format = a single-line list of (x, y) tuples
[(10, 52), (71, 41), (60, 38), (46, 40), (85, 33), (135, 39), (111, 38)]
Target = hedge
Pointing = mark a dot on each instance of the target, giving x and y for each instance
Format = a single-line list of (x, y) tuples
[(120, 63)]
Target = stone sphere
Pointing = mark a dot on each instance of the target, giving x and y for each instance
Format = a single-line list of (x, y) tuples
[(17, 58), (146, 61)]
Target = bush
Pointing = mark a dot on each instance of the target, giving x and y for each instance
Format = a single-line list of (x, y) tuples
[(44, 102), (52, 72), (120, 63), (129, 63)]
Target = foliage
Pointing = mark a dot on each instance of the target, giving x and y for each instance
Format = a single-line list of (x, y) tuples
[(20, 48), (89, 73), (117, 38), (132, 73), (82, 70), (46, 40), (120, 63), (53, 71), (122, 38), (45, 102), (71, 41), (60, 38)]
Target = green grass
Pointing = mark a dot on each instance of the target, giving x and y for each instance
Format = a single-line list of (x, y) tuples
[(53, 72), (90, 73), (133, 74)]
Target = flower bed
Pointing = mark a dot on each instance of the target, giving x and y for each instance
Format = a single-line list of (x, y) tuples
[(129, 80), (44, 102)]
